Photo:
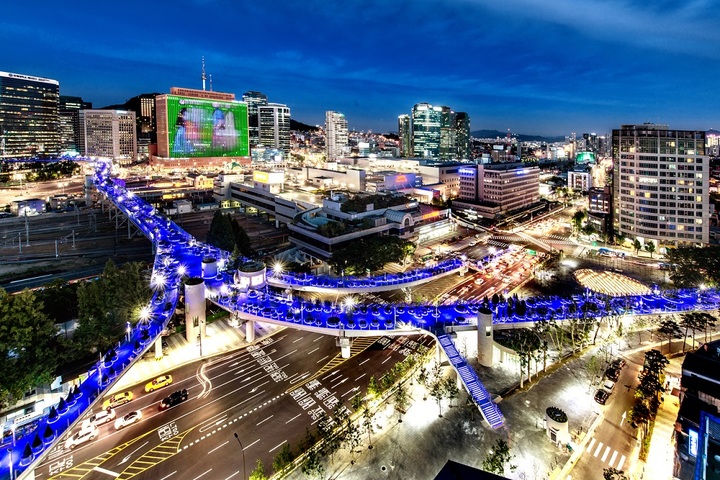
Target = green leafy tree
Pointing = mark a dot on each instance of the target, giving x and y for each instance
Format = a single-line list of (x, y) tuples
[(241, 239), (577, 220), (691, 321), (401, 400), (312, 466), (650, 248), (640, 416), (373, 388), (637, 246), (258, 472), (691, 267), (220, 233), (59, 300), (499, 458), (283, 458), (368, 416), (451, 389), (669, 328), (29, 346)]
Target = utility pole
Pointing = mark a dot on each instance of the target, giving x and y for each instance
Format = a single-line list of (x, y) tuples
[(20, 241), (27, 230)]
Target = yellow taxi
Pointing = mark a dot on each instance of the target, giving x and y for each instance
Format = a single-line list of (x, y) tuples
[(159, 382), (117, 400)]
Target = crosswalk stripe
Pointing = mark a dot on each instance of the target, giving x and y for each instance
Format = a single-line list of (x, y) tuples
[(612, 459), (620, 463), (597, 450), (590, 446), (607, 451)]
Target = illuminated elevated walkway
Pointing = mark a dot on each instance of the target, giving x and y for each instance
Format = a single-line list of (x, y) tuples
[(180, 256)]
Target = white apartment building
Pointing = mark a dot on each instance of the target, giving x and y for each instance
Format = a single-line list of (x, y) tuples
[(661, 185)]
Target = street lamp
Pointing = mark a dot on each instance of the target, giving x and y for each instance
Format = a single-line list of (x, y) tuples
[(242, 449)]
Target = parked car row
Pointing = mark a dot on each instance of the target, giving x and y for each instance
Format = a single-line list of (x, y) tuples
[(612, 374)]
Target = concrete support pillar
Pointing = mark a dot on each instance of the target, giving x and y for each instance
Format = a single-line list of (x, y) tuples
[(209, 267), (158, 348), (485, 337), (194, 309), (250, 331), (345, 344)]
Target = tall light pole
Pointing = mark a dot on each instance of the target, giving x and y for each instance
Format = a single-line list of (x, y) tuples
[(242, 449)]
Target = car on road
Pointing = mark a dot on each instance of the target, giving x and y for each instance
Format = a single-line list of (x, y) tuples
[(117, 400), (173, 399), (129, 419), (159, 382), (613, 373), (609, 385), (99, 418), (601, 396), (84, 435), (618, 363)]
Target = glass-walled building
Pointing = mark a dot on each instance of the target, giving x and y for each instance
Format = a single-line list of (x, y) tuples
[(29, 113), (426, 121)]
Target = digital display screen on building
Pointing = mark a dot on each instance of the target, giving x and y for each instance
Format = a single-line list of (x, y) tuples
[(206, 128), (585, 157)]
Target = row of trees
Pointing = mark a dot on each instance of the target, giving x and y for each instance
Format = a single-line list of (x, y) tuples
[(647, 394), (690, 322), (33, 348), (370, 254), (691, 267), (226, 233)]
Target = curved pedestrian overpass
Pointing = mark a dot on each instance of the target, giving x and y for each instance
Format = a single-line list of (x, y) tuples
[(180, 256)]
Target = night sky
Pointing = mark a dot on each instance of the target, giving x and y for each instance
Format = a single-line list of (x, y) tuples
[(547, 67)]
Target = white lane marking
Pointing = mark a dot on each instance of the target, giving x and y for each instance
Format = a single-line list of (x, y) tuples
[(211, 425), (340, 383), (358, 378), (106, 472), (127, 457), (277, 446), (168, 476), (350, 391), (318, 338), (300, 378), (387, 359), (293, 418), (334, 372), (364, 361), (231, 476), (323, 358), (612, 459), (256, 441), (607, 451), (313, 351), (620, 463), (590, 445), (597, 450), (219, 446), (298, 339), (204, 473), (263, 421)]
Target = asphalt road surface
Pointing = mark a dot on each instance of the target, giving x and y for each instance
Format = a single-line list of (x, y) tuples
[(268, 394)]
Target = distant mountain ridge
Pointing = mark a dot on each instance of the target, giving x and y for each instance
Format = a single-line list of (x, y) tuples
[(521, 137)]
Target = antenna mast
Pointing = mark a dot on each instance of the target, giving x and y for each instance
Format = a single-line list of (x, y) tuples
[(203, 72), (211, 82)]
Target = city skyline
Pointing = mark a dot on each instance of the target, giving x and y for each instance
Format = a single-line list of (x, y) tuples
[(546, 68)]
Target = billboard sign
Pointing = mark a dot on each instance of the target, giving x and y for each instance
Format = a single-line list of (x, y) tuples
[(206, 128)]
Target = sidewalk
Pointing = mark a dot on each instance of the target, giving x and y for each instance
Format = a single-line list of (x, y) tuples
[(220, 337)]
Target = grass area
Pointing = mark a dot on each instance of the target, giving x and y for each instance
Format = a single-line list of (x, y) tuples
[(645, 447)]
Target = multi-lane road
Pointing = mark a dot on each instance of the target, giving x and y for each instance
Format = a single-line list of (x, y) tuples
[(268, 394)]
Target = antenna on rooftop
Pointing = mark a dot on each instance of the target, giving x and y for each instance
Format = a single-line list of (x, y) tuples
[(203, 72)]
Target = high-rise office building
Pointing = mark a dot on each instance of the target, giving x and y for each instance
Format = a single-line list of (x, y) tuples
[(661, 185), (462, 133), (336, 134), (274, 123), (448, 134), (426, 122), (405, 135), (29, 111), (109, 134), (69, 123), (254, 100)]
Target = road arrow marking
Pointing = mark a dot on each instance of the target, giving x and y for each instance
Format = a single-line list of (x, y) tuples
[(622, 418), (131, 453)]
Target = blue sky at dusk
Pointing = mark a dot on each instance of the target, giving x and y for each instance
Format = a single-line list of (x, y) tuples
[(545, 67)]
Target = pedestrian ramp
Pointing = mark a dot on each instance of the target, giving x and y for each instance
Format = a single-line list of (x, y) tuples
[(606, 454), (489, 410)]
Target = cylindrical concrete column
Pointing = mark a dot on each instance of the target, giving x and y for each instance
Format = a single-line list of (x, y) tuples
[(209, 267), (485, 337), (194, 309), (250, 331), (345, 344), (158, 348)]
